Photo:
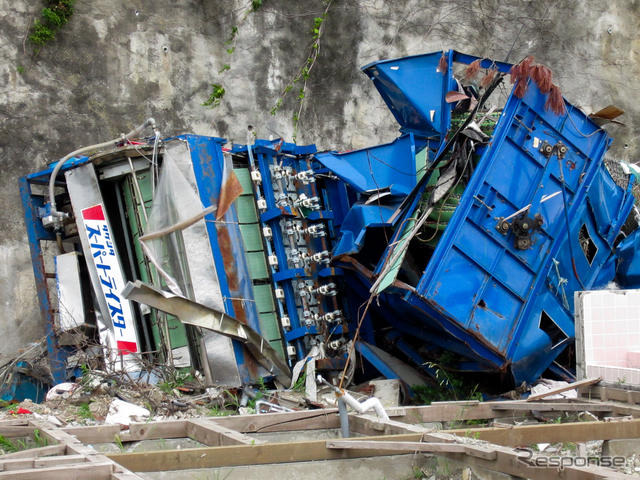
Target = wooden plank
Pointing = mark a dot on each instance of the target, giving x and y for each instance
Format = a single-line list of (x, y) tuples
[(380, 447), (14, 421), (281, 422), (517, 463), (76, 471), (371, 425), (610, 393), (389, 446), (236, 455), (136, 432), (94, 433), (74, 446), (552, 433), (447, 412), (12, 431), (37, 462), (36, 452), (211, 434), (155, 430), (553, 406), (571, 386)]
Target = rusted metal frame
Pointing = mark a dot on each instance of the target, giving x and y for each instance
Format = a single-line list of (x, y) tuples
[(35, 235)]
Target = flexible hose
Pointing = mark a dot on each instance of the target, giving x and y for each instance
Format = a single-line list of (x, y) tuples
[(99, 146)]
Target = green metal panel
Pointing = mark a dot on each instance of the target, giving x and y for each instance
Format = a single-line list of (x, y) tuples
[(244, 176), (252, 237), (263, 295), (246, 208), (257, 266), (257, 262), (271, 331), (137, 224)]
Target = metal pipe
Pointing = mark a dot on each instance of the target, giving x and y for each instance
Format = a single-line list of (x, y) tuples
[(99, 146), (368, 404), (344, 417)]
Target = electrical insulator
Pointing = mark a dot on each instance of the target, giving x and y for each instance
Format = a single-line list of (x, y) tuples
[(321, 257), (256, 177), (305, 176), (316, 230), (328, 289)]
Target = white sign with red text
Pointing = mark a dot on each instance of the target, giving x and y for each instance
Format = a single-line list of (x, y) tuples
[(112, 283)]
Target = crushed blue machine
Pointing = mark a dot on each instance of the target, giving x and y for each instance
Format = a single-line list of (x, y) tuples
[(462, 241)]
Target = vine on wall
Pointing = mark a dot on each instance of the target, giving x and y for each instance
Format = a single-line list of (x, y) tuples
[(301, 78), (217, 90)]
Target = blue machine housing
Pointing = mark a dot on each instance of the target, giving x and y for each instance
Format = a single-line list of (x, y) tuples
[(499, 307)]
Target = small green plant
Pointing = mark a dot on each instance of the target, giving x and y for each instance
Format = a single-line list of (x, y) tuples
[(53, 16), (219, 412), (39, 440), (449, 387), (118, 441), (300, 384), (20, 69), (175, 379), (7, 446), (217, 92), (85, 412)]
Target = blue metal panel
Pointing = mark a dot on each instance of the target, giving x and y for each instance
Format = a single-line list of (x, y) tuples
[(414, 90), (35, 233), (389, 166), (479, 280), (226, 242)]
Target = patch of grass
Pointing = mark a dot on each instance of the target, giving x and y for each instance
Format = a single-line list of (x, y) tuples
[(20, 69), (118, 441), (177, 379), (39, 440), (219, 412), (85, 412), (300, 384)]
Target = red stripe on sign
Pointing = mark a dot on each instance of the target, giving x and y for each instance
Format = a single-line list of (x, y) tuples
[(125, 348), (93, 213)]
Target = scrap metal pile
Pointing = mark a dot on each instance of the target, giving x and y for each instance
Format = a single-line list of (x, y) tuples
[(459, 245)]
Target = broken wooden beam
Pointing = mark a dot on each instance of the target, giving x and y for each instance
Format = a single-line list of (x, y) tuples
[(564, 388)]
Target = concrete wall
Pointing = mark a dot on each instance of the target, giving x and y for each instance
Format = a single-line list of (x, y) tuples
[(118, 62)]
